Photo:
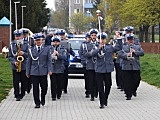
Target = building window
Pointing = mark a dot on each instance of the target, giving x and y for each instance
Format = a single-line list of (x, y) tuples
[(88, 1), (77, 1), (76, 10)]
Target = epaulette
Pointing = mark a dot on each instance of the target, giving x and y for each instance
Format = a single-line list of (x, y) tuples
[(13, 42), (62, 46)]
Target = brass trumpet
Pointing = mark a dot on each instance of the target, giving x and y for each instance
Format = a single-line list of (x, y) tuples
[(20, 58), (131, 56), (54, 56), (115, 55)]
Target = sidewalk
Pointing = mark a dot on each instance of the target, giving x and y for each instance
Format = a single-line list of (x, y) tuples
[(74, 106)]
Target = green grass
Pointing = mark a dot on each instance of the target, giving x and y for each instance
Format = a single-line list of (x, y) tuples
[(5, 77), (150, 69)]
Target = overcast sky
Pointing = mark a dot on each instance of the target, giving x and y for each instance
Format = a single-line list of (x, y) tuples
[(50, 4)]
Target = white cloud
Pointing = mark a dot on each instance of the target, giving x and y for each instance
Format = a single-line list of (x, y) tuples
[(50, 4)]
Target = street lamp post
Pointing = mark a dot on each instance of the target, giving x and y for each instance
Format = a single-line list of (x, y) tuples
[(22, 15), (16, 12), (10, 26)]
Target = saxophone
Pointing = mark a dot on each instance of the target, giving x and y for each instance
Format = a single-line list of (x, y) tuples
[(20, 58)]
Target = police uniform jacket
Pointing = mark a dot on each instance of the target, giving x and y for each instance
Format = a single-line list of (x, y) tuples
[(12, 55), (66, 45), (90, 60), (48, 40), (82, 52), (58, 65), (29, 41), (104, 63), (119, 60), (39, 64), (131, 64)]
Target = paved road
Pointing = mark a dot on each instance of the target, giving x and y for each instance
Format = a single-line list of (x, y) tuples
[(74, 106)]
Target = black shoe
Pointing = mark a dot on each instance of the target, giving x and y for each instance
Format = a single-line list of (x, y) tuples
[(53, 99), (101, 106), (87, 96), (65, 91), (37, 106), (22, 95), (96, 95), (18, 99), (106, 103), (134, 94), (43, 102), (58, 97), (92, 99), (29, 89), (122, 89), (128, 98), (119, 87)]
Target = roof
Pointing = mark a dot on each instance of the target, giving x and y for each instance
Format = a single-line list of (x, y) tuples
[(4, 21)]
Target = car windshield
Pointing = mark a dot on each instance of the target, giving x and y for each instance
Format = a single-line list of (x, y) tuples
[(76, 44)]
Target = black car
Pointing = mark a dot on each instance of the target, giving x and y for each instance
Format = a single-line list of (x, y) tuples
[(75, 66)]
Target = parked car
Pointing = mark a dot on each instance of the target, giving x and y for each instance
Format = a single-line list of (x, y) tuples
[(75, 66)]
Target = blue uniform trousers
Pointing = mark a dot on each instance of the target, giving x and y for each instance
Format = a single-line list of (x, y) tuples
[(104, 85)]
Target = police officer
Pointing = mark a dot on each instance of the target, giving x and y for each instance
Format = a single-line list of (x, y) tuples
[(39, 64), (29, 40), (116, 59), (103, 67), (129, 30), (48, 38), (90, 63), (68, 47), (130, 54), (83, 62), (58, 54), (18, 53)]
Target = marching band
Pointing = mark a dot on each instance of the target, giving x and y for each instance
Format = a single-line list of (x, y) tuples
[(32, 60)]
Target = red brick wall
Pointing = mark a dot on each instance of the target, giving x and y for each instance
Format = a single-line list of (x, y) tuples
[(4, 37), (151, 47), (1, 46)]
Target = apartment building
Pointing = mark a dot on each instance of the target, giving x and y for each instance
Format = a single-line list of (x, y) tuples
[(76, 6)]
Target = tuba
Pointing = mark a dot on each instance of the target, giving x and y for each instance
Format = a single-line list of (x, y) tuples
[(20, 58)]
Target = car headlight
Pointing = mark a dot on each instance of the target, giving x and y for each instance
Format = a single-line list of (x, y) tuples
[(71, 58), (79, 66)]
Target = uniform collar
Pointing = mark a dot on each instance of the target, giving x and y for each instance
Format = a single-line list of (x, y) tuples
[(39, 46)]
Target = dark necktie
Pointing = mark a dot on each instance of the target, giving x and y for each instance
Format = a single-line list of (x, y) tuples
[(103, 48), (39, 49)]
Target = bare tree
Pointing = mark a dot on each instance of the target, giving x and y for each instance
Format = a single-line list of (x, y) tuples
[(61, 15)]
